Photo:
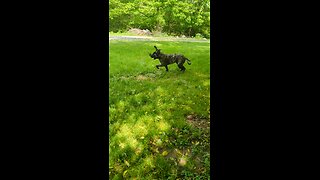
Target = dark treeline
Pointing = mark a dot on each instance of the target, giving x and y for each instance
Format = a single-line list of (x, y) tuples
[(174, 17)]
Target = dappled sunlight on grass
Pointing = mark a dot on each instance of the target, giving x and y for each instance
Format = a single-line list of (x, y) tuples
[(140, 129), (125, 131), (126, 138), (146, 119), (122, 145), (163, 126), (132, 142)]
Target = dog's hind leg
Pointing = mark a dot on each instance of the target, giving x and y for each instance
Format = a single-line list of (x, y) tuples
[(166, 68), (188, 61), (182, 68)]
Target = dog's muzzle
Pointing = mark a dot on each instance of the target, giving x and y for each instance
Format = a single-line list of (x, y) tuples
[(152, 56)]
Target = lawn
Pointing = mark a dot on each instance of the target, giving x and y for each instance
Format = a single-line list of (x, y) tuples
[(159, 122)]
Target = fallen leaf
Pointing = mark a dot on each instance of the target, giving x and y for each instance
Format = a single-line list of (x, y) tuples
[(182, 162), (127, 163), (164, 153), (124, 173)]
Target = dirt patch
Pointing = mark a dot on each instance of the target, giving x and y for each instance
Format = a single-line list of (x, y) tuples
[(198, 122), (148, 76), (142, 77), (124, 78)]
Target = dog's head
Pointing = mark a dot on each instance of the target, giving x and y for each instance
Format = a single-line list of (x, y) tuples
[(156, 54)]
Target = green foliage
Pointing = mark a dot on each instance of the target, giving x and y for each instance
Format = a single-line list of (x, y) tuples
[(198, 36), (175, 17)]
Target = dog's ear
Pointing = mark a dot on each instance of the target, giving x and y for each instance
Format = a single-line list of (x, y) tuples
[(155, 47)]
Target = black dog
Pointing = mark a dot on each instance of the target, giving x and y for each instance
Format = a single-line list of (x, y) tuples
[(166, 59)]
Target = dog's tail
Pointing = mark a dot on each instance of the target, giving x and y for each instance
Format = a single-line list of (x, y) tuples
[(188, 61)]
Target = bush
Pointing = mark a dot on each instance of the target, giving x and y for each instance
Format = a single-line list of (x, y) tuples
[(198, 36)]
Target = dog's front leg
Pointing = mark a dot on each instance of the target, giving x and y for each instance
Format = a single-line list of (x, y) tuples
[(166, 67), (159, 65)]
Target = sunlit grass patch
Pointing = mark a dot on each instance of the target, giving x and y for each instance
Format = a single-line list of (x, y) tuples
[(125, 131), (140, 129), (163, 125)]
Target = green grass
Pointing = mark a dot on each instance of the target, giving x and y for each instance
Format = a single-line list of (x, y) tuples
[(149, 134)]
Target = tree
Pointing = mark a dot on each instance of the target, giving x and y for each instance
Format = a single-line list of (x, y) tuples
[(175, 17)]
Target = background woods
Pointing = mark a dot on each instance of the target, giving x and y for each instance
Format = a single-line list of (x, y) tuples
[(174, 17)]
